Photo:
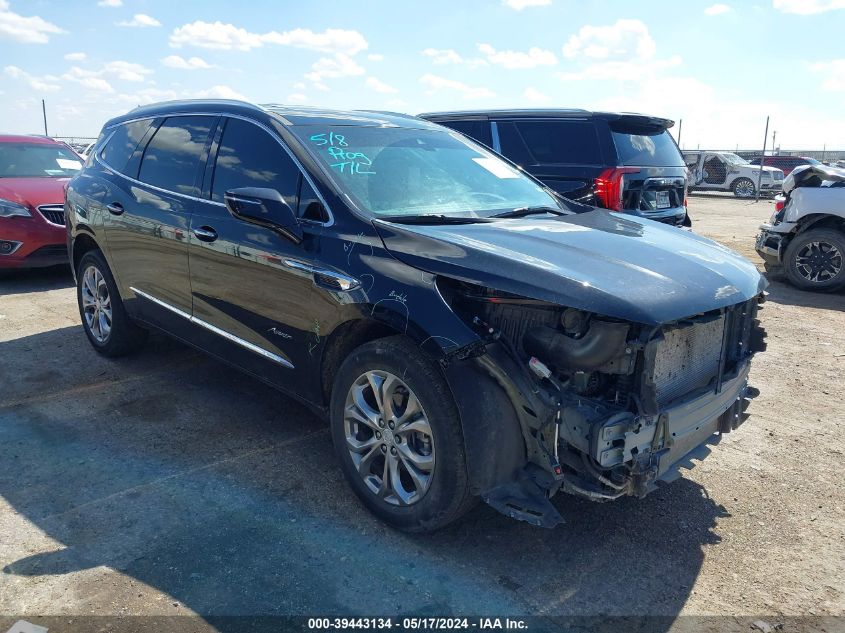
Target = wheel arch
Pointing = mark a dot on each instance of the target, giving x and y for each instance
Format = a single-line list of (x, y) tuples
[(342, 341), (83, 242), (820, 221)]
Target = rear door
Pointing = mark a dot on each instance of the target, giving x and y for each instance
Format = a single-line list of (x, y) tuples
[(149, 211), (251, 292), (563, 153)]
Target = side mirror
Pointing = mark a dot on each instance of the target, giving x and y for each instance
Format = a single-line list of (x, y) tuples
[(264, 207)]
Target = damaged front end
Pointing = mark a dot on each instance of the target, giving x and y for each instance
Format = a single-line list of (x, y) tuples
[(600, 407)]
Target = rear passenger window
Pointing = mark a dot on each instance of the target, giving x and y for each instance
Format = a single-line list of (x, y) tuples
[(478, 130), (173, 157), (567, 142), (250, 157), (123, 142)]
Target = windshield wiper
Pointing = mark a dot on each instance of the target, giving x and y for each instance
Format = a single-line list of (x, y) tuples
[(432, 218), (521, 212)]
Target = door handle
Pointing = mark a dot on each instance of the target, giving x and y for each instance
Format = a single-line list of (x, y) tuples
[(205, 233), (115, 208)]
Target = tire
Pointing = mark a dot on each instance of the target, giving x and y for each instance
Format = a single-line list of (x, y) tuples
[(743, 188), (114, 333), (440, 495), (819, 254)]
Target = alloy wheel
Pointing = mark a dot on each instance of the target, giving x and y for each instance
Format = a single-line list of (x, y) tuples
[(818, 261), (96, 304), (744, 188), (389, 438)]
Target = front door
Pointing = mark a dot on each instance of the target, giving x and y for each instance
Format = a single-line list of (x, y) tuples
[(715, 170), (149, 220), (251, 289)]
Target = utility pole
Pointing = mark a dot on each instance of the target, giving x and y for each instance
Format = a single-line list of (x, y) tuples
[(762, 161), (44, 112), (774, 136), (680, 129)]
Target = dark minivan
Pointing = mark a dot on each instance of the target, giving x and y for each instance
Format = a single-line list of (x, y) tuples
[(464, 332), (618, 161)]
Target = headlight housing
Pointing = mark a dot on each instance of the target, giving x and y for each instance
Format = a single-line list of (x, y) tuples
[(10, 209)]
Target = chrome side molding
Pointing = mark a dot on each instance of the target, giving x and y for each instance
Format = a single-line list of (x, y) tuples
[(213, 328)]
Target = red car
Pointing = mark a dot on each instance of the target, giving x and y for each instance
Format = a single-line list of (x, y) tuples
[(785, 163), (33, 174)]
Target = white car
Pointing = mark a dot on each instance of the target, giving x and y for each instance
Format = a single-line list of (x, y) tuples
[(805, 237), (725, 171)]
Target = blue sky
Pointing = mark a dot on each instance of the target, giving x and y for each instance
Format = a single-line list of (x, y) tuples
[(721, 67)]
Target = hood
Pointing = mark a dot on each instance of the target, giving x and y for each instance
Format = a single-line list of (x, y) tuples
[(812, 176), (34, 191), (614, 265)]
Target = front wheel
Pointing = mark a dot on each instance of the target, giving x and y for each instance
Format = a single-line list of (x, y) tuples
[(107, 326), (396, 431), (814, 260), (744, 188)]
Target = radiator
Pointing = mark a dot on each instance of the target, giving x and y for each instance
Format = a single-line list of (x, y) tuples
[(687, 359)]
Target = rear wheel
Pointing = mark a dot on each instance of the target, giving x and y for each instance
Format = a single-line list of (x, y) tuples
[(107, 326), (396, 431), (744, 188), (815, 260)]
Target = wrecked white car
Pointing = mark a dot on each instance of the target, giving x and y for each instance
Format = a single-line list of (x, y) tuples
[(805, 237)]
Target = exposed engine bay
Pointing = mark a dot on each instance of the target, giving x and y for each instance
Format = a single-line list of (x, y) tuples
[(607, 408)]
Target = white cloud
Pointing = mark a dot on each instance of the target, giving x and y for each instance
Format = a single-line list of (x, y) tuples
[(329, 41), (110, 3), (518, 59), (29, 30), (807, 7), (319, 85), (443, 56), (75, 57), (191, 63), (623, 39), (622, 70), (140, 20), (519, 5), (299, 86), (435, 84), (717, 9), (296, 98), (126, 71), (375, 57), (333, 67), (89, 79), (379, 86), (221, 92), (47, 83), (214, 35), (219, 35), (833, 72), (532, 95)]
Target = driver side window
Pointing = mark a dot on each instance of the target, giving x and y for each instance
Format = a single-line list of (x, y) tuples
[(249, 157)]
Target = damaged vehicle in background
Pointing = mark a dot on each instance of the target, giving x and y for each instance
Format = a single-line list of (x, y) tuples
[(805, 237), (466, 334)]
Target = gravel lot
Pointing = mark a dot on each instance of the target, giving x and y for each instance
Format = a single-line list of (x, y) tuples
[(167, 483)]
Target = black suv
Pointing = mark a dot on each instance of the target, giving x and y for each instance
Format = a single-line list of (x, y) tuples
[(463, 331), (619, 161)]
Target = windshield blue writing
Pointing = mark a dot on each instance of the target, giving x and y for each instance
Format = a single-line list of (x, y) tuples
[(346, 161)]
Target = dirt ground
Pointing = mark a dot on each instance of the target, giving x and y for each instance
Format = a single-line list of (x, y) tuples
[(167, 483)]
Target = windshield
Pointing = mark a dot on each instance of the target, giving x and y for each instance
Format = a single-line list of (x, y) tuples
[(736, 160), (393, 171), (30, 160)]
